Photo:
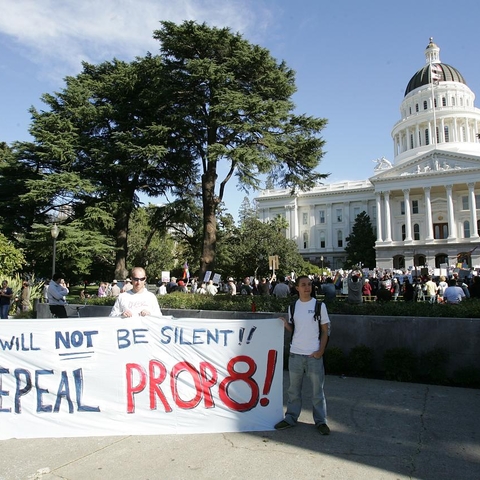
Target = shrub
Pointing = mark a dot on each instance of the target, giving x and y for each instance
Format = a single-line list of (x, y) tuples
[(335, 361), (360, 361), (400, 364), (433, 365)]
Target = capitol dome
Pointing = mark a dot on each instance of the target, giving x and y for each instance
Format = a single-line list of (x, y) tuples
[(441, 71)]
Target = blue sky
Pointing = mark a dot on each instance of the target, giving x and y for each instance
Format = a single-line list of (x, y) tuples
[(353, 59)]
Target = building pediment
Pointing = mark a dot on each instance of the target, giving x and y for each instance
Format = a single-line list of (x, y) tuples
[(433, 163)]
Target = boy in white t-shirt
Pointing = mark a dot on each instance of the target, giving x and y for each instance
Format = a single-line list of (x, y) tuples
[(306, 357)]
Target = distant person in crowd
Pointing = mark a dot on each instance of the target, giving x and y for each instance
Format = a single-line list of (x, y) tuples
[(193, 285), (264, 287), (328, 290), (172, 285), (57, 291), (182, 287), (431, 289), (309, 341), (408, 291), (281, 289), (45, 291), (383, 293), (395, 289), (25, 304), (442, 285), (355, 286), (211, 288), (137, 301), (453, 293), (102, 290), (127, 285), (367, 289), (115, 290), (232, 288), (475, 287), (246, 288), (6, 294), (462, 285), (202, 290), (162, 289)]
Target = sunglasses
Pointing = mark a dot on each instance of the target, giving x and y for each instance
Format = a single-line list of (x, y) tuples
[(138, 279)]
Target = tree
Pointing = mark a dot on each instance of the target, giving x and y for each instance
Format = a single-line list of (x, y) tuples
[(230, 105), (101, 142), (11, 259), (360, 246)]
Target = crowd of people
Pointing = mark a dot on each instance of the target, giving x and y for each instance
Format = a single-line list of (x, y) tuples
[(356, 286)]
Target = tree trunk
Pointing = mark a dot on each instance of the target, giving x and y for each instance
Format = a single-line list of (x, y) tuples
[(210, 204), (121, 271)]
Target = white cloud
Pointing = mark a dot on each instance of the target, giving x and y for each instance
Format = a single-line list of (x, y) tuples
[(57, 35)]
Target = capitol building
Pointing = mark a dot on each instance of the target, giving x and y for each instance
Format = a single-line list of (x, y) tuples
[(423, 205)]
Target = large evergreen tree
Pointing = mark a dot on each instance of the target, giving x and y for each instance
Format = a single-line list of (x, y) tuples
[(102, 141), (230, 106), (361, 243)]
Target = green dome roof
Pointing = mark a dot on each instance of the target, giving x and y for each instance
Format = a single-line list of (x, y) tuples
[(444, 72)]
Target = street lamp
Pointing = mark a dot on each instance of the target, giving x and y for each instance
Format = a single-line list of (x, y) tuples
[(54, 232), (321, 259)]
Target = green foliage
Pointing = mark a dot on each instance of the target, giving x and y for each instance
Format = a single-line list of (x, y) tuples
[(400, 364), (231, 105), (360, 246), (335, 361), (433, 366), (360, 361), (11, 258)]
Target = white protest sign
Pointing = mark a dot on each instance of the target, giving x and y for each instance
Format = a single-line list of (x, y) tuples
[(112, 376)]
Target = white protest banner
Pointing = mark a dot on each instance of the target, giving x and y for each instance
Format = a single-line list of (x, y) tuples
[(139, 376)]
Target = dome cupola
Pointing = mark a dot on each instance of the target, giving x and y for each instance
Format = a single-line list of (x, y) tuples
[(434, 70)]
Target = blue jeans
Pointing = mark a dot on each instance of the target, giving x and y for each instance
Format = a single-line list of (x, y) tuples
[(4, 309), (300, 366)]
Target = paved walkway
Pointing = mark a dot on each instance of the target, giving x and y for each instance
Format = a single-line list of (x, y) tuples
[(380, 430)]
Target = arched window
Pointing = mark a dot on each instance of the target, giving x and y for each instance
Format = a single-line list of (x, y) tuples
[(444, 102), (305, 240), (466, 229), (445, 131), (339, 238), (419, 138), (427, 139), (411, 140), (416, 107), (416, 231), (424, 104), (403, 232)]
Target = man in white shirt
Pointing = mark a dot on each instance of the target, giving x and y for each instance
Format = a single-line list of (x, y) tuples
[(138, 301)]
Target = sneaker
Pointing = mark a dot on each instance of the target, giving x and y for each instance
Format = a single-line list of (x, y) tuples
[(283, 425), (323, 429)]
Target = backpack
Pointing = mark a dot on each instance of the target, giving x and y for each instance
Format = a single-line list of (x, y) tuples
[(317, 316)]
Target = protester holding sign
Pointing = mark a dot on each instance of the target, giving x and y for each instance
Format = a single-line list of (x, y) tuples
[(138, 301)]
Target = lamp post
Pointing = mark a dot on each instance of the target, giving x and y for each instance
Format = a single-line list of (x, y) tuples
[(54, 232), (321, 259)]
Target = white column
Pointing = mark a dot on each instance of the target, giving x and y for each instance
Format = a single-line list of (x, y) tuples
[(473, 211), (428, 214), (408, 216), (329, 235), (388, 226), (452, 231), (379, 216)]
